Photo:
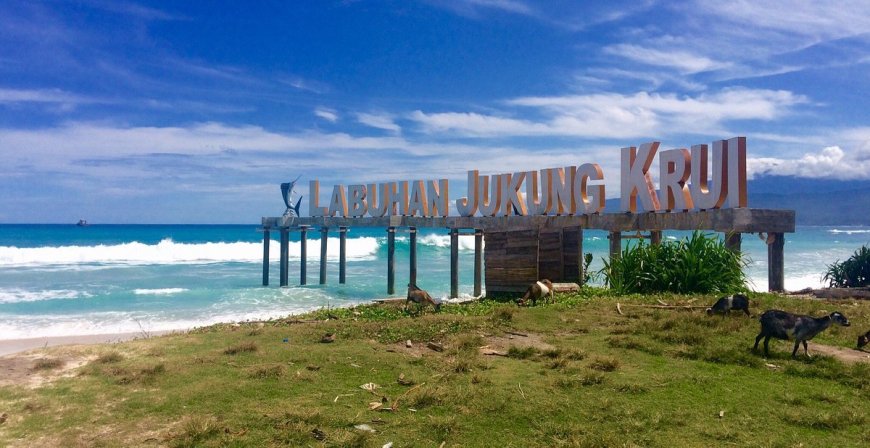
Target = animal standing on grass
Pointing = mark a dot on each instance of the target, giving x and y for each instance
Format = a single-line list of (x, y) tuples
[(782, 325), (421, 298), (729, 303), (538, 290), (863, 339)]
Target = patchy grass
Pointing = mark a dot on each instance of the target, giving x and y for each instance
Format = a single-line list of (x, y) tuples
[(648, 377)]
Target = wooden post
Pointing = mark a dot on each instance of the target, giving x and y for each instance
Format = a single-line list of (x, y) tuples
[(573, 255), (454, 263), (412, 262), (733, 241), (284, 261), (267, 240), (478, 260), (655, 237), (776, 262), (303, 254), (324, 237), (342, 254), (391, 260), (615, 245)]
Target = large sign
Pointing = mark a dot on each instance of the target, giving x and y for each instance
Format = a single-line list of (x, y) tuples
[(685, 183)]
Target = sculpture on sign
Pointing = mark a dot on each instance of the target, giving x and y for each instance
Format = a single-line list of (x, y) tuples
[(287, 193)]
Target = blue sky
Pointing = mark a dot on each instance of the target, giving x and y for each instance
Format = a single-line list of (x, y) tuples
[(195, 112)]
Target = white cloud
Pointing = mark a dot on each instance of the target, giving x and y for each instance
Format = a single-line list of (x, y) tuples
[(379, 121), (832, 162), (819, 20), (683, 61), (44, 96), (326, 114), (613, 115)]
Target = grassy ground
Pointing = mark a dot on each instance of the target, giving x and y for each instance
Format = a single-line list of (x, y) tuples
[(573, 373)]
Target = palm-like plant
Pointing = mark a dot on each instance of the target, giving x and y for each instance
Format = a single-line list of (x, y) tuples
[(700, 264), (852, 273)]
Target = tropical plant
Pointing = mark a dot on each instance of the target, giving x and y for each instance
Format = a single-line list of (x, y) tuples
[(854, 272), (699, 264)]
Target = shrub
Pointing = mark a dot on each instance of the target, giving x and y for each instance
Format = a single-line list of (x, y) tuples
[(698, 264), (851, 273)]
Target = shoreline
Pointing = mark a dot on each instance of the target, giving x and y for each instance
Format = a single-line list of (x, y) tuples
[(18, 346)]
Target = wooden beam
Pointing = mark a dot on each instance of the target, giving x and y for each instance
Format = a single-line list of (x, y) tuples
[(342, 254), (615, 245), (743, 220), (478, 260), (412, 257), (284, 262), (324, 237), (267, 240), (303, 255), (454, 263), (391, 260), (776, 262), (733, 241)]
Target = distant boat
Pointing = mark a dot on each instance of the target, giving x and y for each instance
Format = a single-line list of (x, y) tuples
[(82, 223)]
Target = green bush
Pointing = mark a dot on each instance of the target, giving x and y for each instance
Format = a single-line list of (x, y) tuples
[(698, 264), (851, 273)]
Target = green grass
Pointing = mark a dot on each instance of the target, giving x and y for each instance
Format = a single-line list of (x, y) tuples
[(650, 377)]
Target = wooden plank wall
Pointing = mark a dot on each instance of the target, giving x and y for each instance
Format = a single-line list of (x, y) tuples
[(511, 260), (515, 259)]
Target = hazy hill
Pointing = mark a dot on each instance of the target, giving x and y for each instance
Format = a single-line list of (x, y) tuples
[(815, 201)]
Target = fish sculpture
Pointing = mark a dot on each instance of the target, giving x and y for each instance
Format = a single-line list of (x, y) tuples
[(287, 193)]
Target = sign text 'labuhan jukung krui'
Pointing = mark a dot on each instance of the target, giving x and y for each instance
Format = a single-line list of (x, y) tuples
[(683, 185)]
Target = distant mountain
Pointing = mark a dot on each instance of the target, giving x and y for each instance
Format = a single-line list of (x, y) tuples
[(815, 201)]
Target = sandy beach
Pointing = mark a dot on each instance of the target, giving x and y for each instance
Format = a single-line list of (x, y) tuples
[(12, 346)]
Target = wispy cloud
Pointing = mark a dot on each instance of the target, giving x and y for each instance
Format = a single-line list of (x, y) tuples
[(613, 115), (379, 121), (327, 114), (683, 61)]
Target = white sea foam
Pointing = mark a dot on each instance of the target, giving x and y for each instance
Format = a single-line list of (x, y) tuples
[(171, 252), (849, 231), (159, 292), (466, 242), (16, 295)]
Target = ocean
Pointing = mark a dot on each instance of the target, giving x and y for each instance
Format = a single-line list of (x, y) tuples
[(64, 280)]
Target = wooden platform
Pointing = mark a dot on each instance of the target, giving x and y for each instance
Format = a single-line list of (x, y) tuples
[(523, 249)]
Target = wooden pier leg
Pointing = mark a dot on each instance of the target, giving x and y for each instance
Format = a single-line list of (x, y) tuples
[(776, 262), (391, 260), (478, 260), (733, 241), (267, 240), (284, 261), (615, 245), (342, 254), (655, 237), (412, 274), (454, 263), (324, 237), (303, 255)]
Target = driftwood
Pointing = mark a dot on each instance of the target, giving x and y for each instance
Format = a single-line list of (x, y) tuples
[(669, 307)]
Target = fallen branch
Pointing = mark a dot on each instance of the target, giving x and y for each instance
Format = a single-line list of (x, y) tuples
[(517, 334), (619, 309), (663, 306), (396, 401)]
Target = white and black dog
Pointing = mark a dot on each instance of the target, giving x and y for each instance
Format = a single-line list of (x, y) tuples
[(541, 289), (421, 297)]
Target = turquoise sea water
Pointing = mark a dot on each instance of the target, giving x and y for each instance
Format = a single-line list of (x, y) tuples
[(60, 280)]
